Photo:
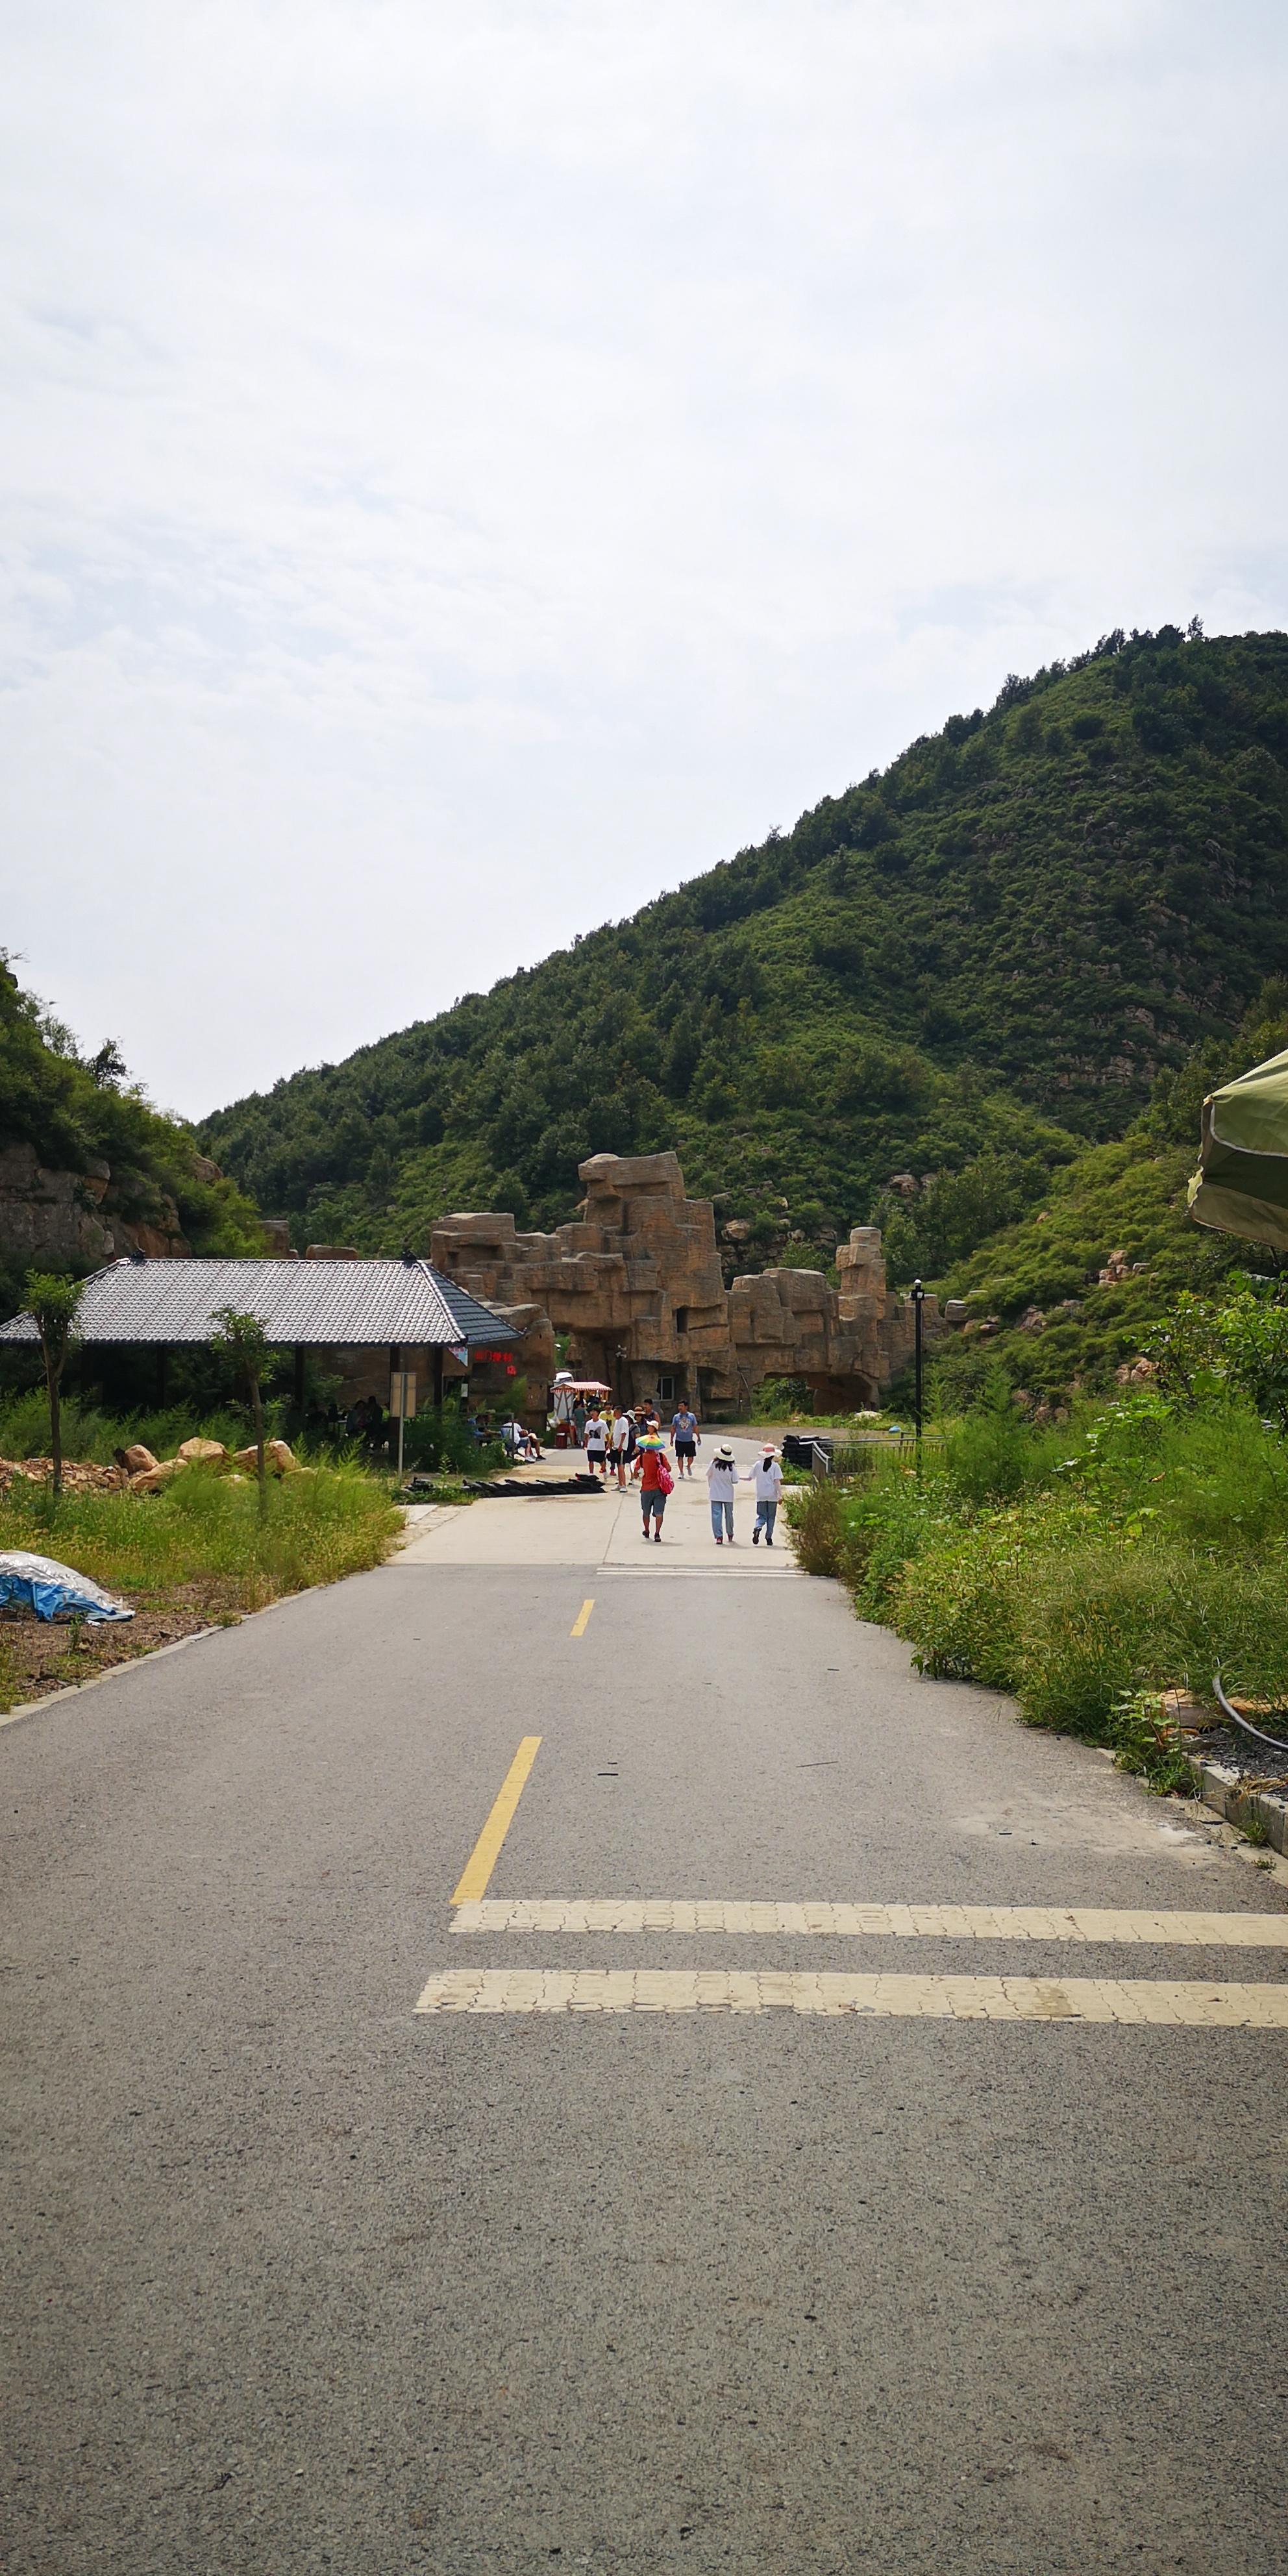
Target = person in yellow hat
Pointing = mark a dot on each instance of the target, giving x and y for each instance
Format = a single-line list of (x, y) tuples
[(655, 1483)]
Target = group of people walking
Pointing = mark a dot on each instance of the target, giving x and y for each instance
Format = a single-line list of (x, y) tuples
[(619, 1445), (632, 1447), (723, 1480)]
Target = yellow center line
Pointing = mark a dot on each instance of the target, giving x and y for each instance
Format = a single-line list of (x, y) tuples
[(582, 1620), (483, 1859)]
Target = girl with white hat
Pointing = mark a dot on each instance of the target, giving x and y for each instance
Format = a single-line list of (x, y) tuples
[(767, 1477), (722, 1478)]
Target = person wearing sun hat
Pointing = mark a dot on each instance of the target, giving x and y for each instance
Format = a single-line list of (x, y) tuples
[(655, 1482), (767, 1477), (722, 1479)]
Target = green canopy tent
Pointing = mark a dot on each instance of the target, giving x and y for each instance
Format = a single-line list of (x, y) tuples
[(1241, 1185)]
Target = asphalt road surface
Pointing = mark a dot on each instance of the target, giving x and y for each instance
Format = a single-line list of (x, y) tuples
[(802, 2147)]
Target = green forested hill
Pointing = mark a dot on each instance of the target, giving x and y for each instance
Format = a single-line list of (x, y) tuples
[(974, 965), (77, 1112), (1127, 1196)]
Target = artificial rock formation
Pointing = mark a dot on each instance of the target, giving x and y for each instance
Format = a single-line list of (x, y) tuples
[(636, 1282)]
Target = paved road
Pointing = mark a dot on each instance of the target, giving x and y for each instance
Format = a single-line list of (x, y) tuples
[(608, 1529), (300, 2278)]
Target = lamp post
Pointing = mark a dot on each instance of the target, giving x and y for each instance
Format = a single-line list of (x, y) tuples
[(918, 1299)]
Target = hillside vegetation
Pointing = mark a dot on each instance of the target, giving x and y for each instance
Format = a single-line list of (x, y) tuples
[(1003, 935), (1126, 1198), (969, 969), (77, 1112), (1089, 1568)]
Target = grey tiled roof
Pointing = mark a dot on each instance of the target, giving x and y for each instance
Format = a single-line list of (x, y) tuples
[(349, 1304)]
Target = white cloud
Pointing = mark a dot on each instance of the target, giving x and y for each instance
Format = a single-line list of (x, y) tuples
[(469, 469)]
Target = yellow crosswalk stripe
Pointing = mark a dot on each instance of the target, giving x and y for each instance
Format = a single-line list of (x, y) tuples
[(1165, 2002), (900, 1922)]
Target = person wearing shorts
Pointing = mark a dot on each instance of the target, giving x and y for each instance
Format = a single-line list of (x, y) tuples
[(620, 1445), (652, 1489), (597, 1444), (684, 1439)]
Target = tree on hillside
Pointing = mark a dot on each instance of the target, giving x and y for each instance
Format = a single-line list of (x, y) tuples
[(109, 1065), (242, 1343), (52, 1302)]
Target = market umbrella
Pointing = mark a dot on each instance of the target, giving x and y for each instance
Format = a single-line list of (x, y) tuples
[(1242, 1181)]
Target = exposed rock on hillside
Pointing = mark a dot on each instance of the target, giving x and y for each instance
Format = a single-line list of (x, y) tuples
[(88, 1169), (51, 1220)]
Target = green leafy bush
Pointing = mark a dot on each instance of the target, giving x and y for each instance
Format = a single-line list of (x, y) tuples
[(442, 1443), (992, 1453), (818, 1532), (1093, 1623), (1253, 1333), (1144, 1742), (1144, 1544), (958, 1601)]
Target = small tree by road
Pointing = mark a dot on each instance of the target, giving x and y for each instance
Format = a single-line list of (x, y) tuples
[(242, 1343), (51, 1301)]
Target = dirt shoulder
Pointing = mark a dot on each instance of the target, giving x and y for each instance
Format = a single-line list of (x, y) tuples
[(42, 1655)]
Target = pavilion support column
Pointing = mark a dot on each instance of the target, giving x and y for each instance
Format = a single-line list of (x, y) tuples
[(162, 1356), (297, 1390), (438, 1379)]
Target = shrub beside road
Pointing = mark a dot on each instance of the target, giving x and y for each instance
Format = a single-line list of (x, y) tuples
[(1141, 1545)]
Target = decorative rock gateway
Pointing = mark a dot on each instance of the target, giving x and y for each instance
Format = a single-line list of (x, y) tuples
[(636, 1281)]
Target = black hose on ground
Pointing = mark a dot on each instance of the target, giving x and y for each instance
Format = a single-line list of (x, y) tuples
[(1275, 1742)]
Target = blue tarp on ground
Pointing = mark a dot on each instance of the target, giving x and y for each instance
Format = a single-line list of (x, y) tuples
[(55, 1591)]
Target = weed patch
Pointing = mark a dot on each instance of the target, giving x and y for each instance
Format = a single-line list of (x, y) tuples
[(194, 1555), (1083, 1568)]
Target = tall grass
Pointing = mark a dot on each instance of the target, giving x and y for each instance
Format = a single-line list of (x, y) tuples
[(1136, 1547), (205, 1533), (91, 1436)]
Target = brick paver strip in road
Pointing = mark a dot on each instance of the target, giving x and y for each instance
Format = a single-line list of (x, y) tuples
[(900, 1922), (734, 1990)]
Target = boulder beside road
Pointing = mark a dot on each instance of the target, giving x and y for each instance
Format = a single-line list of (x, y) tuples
[(136, 1470), (279, 1458)]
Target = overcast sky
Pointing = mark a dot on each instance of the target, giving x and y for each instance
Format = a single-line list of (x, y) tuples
[(469, 468)]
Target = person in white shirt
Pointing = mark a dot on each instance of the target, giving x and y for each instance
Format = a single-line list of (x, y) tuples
[(620, 1447), (767, 1477), (722, 1478), (597, 1444)]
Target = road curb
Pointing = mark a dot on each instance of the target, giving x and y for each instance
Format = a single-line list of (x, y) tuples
[(1223, 1791)]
